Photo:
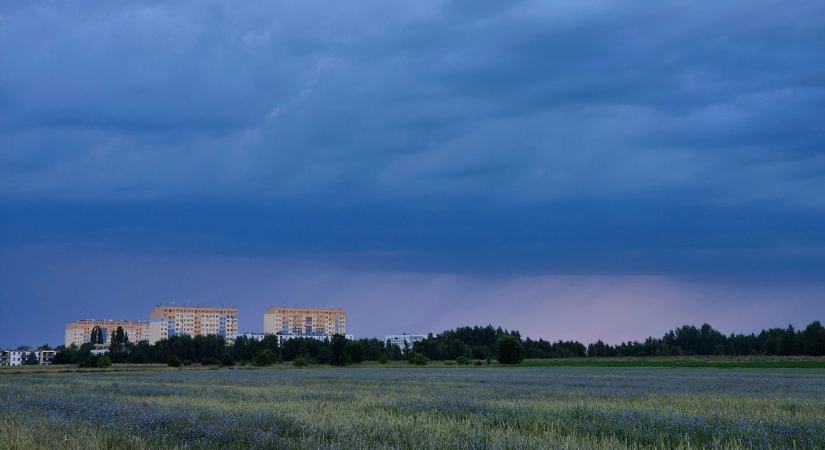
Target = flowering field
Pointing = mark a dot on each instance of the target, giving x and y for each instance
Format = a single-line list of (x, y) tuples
[(414, 408)]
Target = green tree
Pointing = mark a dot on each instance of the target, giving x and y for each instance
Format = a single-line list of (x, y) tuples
[(103, 362), (790, 342), (227, 360), (418, 358), (96, 336), (301, 362), (118, 345), (813, 339), (265, 357), (510, 350), (340, 356), (31, 359)]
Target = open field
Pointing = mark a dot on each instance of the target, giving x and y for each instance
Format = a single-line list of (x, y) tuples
[(498, 407), (718, 362)]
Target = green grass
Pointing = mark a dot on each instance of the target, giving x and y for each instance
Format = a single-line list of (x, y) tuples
[(413, 407), (717, 362)]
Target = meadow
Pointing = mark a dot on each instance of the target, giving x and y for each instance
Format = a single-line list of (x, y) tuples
[(413, 407)]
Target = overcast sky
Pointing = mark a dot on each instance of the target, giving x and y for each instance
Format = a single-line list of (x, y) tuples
[(572, 169)]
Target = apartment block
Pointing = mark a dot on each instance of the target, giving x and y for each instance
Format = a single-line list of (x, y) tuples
[(79, 333), (284, 320), (18, 357), (167, 321)]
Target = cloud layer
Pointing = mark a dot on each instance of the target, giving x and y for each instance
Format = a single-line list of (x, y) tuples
[(310, 100), (678, 144)]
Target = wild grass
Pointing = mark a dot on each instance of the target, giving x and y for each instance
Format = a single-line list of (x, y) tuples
[(563, 408), (716, 362)]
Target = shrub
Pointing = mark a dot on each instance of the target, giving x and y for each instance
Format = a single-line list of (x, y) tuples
[(265, 357), (462, 360), (103, 362), (478, 363), (208, 361), (88, 362), (418, 359), (301, 362), (383, 358), (173, 361), (510, 350), (227, 360)]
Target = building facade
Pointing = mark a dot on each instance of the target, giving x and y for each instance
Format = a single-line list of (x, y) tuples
[(79, 333), (404, 339), (168, 321), (253, 336), (288, 321), (18, 357), (326, 337)]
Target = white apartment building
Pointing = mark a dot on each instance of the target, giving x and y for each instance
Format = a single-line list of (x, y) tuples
[(402, 339), (18, 357)]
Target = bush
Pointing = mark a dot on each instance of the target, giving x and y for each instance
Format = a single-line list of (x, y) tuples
[(103, 362), (510, 350), (478, 363), (88, 362), (173, 361), (227, 360), (209, 361), (418, 359), (265, 357), (383, 358), (301, 362), (462, 360)]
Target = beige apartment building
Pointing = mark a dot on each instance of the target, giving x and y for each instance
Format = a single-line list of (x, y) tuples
[(167, 321), (305, 321), (79, 333)]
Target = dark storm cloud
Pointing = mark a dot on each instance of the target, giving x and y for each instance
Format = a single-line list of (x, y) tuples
[(575, 136)]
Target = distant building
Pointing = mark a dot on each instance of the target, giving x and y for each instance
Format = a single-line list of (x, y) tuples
[(285, 337), (167, 321), (18, 357), (79, 333), (305, 322), (253, 336), (402, 339), (46, 356)]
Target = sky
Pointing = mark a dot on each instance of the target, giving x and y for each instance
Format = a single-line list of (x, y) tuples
[(573, 169)]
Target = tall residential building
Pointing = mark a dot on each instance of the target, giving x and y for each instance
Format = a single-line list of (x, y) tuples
[(79, 333), (305, 321), (167, 321)]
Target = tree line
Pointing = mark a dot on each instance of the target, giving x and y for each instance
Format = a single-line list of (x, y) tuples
[(213, 349), (462, 344), (690, 340)]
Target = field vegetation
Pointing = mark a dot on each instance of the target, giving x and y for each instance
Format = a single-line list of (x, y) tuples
[(414, 407)]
